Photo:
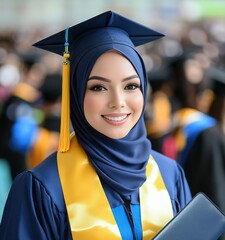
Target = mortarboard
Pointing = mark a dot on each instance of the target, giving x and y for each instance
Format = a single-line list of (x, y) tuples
[(67, 42), (217, 80), (51, 87), (29, 59), (139, 34)]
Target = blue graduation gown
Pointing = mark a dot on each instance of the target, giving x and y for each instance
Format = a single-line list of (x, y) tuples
[(35, 208)]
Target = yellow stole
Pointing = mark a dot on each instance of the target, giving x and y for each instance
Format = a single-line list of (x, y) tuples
[(89, 212)]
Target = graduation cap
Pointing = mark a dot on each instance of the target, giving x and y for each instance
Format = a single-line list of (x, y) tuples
[(139, 34), (81, 36), (29, 59), (217, 80), (51, 88)]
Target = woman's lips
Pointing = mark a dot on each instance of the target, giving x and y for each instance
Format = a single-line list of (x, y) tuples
[(116, 119)]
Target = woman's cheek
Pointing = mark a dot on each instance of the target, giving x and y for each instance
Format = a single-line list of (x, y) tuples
[(92, 104), (137, 101)]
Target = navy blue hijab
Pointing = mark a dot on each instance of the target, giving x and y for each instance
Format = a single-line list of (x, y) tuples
[(120, 163)]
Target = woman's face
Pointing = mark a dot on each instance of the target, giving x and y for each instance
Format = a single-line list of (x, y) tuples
[(113, 99)]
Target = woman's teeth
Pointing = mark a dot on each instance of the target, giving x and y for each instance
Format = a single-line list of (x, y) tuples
[(117, 119)]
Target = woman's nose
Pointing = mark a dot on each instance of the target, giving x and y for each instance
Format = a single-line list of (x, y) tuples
[(117, 100)]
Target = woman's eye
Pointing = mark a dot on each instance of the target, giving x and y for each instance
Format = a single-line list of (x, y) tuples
[(132, 86), (97, 88)]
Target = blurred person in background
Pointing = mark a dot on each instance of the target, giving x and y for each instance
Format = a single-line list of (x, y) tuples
[(10, 75), (158, 114), (205, 165), (196, 113), (187, 121), (19, 116), (18, 119), (216, 109), (201, 142), (9, 78), (29, 110), (46, 141)]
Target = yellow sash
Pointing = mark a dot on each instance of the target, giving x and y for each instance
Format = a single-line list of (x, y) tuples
[(88, 209)]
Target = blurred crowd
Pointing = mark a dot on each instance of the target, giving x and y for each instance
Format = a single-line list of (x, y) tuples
[(30, 98), (185, 114)]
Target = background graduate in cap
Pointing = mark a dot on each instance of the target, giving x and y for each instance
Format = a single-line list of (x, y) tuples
[(105, 181), (205, 165), (216, 77)]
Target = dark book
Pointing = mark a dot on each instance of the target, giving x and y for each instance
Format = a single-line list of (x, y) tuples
[(201, 219)]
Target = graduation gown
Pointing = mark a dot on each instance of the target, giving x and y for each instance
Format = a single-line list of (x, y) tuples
[(205, 167), (35, 208)]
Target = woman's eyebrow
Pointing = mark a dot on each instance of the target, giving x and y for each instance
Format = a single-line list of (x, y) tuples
[(99, 78), (108, 80), (130, 77)]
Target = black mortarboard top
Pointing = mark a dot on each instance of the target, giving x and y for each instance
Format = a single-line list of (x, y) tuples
[(217, 80), (29, 59), (159, 75), (51, 88), (139, 34), (108, 26)]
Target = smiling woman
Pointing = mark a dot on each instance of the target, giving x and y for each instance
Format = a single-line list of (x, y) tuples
[(113, 101), (107, 183)]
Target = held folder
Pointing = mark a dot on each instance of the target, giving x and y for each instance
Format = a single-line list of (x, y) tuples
[(199, 220)]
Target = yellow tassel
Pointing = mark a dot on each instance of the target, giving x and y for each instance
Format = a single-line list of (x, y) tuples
[(64, 141)]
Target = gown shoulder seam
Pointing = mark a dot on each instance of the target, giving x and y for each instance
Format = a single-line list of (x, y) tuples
[(46, 190)]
